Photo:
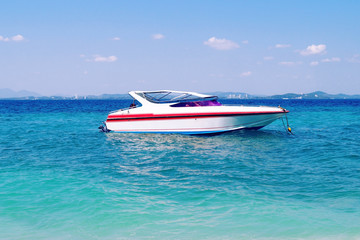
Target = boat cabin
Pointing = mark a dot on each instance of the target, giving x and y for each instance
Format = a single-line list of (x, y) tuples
[(175, 98)]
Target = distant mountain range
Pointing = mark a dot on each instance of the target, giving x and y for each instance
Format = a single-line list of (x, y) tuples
[(314, 95), (6, 93)]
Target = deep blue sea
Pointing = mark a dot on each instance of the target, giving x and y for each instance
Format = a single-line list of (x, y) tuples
[(60, 178)]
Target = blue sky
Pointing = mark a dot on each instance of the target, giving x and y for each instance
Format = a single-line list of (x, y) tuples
[(258, 47)]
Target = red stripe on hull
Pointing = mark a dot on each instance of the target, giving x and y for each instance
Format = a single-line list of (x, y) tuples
[(144, 117)]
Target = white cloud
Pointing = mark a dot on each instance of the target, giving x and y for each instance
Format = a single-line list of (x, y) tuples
[(326, 60), (314, 63), (290, 63), (354, 59), (157, 36), (16, 38), (115, 39), (246, 74), (268, 58), (314, 49), (245, 42), (282, 45), (333, 59), (221, 44), (98, 58)]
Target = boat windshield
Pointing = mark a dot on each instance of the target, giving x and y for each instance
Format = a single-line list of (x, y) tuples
[(174, 97), (197, 104)]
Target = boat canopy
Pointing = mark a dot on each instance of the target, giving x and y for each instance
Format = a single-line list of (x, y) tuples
[(168, 96)]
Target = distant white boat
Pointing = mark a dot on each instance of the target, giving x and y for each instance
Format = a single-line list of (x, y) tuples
[(167, 111)]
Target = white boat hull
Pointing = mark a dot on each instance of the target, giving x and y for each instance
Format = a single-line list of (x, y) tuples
[(201, 124), (166, 111)]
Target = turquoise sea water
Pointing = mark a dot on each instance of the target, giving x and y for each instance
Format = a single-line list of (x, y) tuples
[(62, 179)]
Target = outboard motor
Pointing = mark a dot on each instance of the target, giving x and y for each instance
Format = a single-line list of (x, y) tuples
[(103, 128)]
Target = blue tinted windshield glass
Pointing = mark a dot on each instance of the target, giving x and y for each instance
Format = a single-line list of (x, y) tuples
[(197, 104)]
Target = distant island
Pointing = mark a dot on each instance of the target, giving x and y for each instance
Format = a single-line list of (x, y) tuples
[(312, 95), (8, 94)]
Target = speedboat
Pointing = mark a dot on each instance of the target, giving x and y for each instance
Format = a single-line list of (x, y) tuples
[(167, 111)]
